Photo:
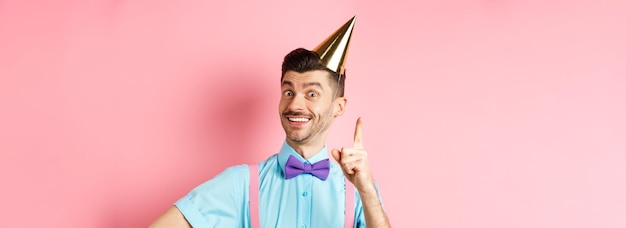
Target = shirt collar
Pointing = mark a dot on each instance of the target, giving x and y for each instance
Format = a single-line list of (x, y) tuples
[(286, 150)]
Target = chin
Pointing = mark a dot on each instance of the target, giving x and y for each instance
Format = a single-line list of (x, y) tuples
[(297, 138)]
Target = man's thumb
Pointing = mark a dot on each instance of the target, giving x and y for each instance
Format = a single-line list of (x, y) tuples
[(336, 155)]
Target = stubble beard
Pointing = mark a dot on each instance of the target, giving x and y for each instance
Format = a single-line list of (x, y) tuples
[(303, 136)]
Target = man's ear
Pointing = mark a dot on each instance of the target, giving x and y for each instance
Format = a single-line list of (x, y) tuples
[(339, 106)]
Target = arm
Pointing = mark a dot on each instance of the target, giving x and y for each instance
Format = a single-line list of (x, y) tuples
[(171, 218), (355, 166), (372, 208), (222, 198)]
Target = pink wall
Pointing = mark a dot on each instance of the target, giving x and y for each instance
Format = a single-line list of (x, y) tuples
[(476, 113)]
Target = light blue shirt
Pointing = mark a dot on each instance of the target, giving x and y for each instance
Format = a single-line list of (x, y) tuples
[(303, 201)]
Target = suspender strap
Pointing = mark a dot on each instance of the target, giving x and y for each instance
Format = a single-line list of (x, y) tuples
[(349, 217), (254, 196), (255, 222)]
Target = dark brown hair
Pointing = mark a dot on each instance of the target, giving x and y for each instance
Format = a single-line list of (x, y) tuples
[(302, 60)]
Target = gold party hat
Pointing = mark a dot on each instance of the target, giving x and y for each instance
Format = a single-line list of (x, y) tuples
[(334, 49)]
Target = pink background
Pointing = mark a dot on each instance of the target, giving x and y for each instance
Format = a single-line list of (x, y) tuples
[(476, 113)]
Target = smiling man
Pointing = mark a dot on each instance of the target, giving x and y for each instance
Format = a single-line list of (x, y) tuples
[(298, 186), (306, 104)]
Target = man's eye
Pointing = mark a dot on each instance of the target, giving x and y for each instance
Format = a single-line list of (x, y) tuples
[(288, 93), (312, 94)]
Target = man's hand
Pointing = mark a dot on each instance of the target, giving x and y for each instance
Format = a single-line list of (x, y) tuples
[(354, 162), (355, 166)]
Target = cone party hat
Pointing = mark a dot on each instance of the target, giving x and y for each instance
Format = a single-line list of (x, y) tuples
[(334, 49)]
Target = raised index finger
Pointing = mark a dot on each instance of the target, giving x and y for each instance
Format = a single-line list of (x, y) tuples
[(358, 134)]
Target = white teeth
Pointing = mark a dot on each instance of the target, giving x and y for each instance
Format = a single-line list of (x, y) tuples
[(299, 119)]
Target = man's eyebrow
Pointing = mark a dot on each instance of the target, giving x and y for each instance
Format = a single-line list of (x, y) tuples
[(308, 84), (315, 84), (288, 83)]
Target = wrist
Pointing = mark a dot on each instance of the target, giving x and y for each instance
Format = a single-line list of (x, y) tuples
[(368, 189)]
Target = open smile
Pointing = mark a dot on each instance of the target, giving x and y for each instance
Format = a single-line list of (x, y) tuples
[(298, 121)]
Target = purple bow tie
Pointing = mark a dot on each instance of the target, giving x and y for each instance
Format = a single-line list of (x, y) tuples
[(294, 168)]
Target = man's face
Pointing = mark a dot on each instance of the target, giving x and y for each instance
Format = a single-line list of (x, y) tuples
[(306, 106)]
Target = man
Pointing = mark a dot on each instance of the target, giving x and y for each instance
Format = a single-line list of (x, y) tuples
[(298, 186)]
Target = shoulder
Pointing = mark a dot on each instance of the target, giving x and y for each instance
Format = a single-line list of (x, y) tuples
[(234, 178), (270, 161), (236, 171), (242, 172)]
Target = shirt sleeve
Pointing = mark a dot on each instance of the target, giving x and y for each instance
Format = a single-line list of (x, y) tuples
[(219, 202)]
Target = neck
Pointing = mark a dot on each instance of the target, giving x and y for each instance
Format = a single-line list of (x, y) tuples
[(306, 150)]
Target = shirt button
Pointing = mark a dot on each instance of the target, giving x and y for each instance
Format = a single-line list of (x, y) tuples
[(305, 194)]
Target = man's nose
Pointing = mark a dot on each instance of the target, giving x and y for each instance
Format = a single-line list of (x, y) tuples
[(297, 103)]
